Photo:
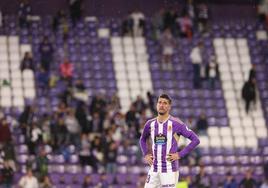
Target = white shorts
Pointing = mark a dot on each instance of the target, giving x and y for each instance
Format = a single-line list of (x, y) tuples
[(168, 51), (161, 179)]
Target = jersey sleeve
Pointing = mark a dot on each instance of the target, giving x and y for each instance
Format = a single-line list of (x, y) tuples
[(182, 129), (145, 134)]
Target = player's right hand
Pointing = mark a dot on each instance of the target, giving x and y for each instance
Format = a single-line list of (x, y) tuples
[(149, 159)]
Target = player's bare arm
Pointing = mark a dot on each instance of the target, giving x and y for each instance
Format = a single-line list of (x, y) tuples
[(149, 159)]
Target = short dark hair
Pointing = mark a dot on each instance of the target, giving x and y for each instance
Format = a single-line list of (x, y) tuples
[(165, 96)]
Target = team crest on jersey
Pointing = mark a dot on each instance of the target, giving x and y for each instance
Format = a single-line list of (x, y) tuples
[(160, 139), (169, 128)]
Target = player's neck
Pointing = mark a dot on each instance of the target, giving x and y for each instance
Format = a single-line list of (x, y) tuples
[(162, 118)]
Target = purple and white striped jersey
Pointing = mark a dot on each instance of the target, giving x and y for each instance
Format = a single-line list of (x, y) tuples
[(163, 142)]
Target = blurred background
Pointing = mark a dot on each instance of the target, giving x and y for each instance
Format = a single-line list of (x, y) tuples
[(79, 79)]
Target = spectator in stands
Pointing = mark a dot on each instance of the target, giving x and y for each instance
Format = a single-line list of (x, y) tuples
[(81, 115), (25, 10), (249, 93), (202, 124), (202, 17), (46, 52), (75, 7), (189, 9), (230, 181), (186, 26), (42, 80), (66, 71), (197, 60), (27, 62), (73, 128), (248, 181), (264, 184), (28, 180), (169, 20), (168, 44), (127, 26), (212, 72), (61, 132), (103, 183), (265, 169), (5, 133), (79, 91), (263, 10), (25, 119), (35, 138), (139, 104), (7, 174), (252, 72), (158, 23), (97, 150), (87, 182), (46, 183), (1, 19), (151, 102), (42, 164), (46, 129), (131, 116), (202, 180), (110, 154), (138, 21)]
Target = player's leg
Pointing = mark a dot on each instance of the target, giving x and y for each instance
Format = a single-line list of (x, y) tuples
[(169, 179), (152, 180)]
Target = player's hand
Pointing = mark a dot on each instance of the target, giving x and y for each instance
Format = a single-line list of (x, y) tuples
[(149, 159), (173, 156)]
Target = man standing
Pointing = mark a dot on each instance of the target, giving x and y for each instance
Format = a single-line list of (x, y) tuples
[(164, 131)]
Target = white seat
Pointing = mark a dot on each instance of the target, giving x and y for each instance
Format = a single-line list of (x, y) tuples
[(4, 66), (134, 93), (14, 57), (259, 122), (13, 40), (229, 42), (240, 142), (18, 102), (121, 75), (3, 49), (242, 42), (127, 41), (129, 49), (234, 59), (130, 58), (6, 101), (134, 84), (226, 76), (225, 132), (14, 49), (261, 132), (16, 83), (139, 41), (227, 86), (4, 57), (146, 85), (3, 40), (230, 96), (235, 122), (116, 41), (233, 113), (14, 65), (227, 142), (220, 51), (222, 59), (131, 67), (5, 75), (25, 48), (118, 58), (117, 49), (252, 142), (28, 74), (122, 84), (28, 84), (16, 74), (103, 33), (140, 50), (249, 132), (218, 42), (204, 141), (123, 93), (17, 92), (247, 122), (215, 142), (213, 131), (237, 131), (5, 92), (232, 51), (133, 76), (245, 59), (118, 67), (29, 93)]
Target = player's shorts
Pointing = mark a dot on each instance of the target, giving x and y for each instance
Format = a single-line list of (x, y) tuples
[(161, 179)]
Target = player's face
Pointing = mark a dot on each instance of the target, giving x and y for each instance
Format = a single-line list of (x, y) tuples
[(163, 106)]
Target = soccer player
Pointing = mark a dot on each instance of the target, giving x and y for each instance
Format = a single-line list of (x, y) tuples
[(163, 132)]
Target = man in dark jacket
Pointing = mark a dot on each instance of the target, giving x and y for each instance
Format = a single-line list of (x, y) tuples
[(249, 93)]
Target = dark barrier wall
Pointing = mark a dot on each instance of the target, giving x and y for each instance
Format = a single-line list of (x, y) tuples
[(223, 9)]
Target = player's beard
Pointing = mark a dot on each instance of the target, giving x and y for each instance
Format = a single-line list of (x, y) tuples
[(161, 113)]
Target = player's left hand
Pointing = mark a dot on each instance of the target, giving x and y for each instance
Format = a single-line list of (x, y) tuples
[(173, 156)]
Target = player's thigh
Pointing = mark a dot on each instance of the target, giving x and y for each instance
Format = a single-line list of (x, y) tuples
[(169, 179), (152, 180)]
